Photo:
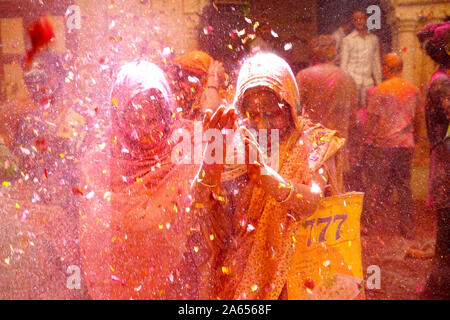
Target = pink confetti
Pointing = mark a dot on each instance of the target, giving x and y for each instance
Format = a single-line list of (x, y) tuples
[(188, 201), (24, 216), (419, 288), (207, 30)]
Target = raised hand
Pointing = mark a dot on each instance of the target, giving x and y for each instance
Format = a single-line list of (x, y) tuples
[(222, 118)]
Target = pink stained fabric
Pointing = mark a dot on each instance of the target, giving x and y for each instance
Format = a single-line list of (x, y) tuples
[(134, 227)]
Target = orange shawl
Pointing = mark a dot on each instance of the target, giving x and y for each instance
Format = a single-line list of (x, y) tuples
[(195, 61)]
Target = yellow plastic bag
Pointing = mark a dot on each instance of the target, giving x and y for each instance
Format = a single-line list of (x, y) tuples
[(327, 258)]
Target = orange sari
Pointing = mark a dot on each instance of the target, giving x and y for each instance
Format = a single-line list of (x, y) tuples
[(134, 226), (252, 245)]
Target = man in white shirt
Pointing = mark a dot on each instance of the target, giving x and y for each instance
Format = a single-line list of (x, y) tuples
[(360, 57)]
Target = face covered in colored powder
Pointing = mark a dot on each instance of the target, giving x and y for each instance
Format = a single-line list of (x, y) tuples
[(146, 118), (360, 21), (263, 109)]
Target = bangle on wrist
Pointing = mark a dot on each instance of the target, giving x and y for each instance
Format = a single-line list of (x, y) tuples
[(291, 191), (206, 185), (211, 87)]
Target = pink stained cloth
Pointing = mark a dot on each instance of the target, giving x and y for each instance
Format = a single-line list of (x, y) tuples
[(134, 227)]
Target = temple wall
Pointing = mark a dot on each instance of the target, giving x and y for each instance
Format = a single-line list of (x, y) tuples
[(153, 23), (409, 17)]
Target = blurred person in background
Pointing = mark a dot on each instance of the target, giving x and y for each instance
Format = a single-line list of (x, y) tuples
[(328, 95), (45, 140), (435, 40), (49, 137), (392, 127), (360, 57)]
